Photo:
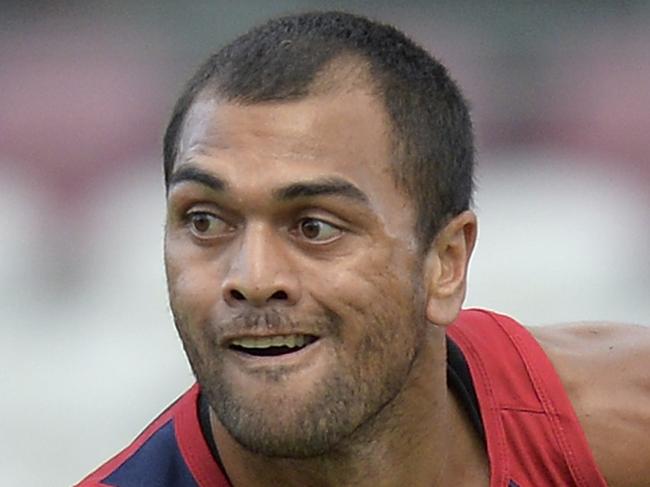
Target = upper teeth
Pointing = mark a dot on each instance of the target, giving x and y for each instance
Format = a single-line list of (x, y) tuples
[(274, 341)]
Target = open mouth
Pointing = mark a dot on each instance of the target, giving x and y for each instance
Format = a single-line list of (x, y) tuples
[(272, 346)]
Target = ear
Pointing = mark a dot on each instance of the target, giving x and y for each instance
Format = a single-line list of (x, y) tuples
[(446, 264)]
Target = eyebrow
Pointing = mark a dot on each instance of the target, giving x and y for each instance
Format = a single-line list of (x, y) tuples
[(330, 186), (327, 186), (196, 175)]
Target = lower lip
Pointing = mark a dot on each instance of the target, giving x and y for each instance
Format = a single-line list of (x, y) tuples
[(299, 358)]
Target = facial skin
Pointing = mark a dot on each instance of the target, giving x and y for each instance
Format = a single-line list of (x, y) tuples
[(283, 219)]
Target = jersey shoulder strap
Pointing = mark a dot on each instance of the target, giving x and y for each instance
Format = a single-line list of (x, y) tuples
[(533, 434)]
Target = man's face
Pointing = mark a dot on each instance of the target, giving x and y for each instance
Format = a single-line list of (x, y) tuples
[(293, 268)]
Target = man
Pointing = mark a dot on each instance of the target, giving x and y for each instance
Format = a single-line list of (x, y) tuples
[(319, 180)]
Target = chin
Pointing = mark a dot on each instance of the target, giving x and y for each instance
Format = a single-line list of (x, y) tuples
[(283, 426), (285, 422)]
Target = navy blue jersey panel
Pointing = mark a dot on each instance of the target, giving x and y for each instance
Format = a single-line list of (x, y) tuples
[(512, 484), (157, 463)]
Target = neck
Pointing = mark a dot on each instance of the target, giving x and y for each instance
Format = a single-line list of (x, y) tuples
[(420, 438)]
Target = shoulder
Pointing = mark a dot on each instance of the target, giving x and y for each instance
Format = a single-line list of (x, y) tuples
[(604, 368)]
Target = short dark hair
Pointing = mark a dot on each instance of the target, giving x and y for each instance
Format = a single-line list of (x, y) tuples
[(432, 129)]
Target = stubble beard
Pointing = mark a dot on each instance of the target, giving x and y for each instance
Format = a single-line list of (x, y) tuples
[(352, 393)]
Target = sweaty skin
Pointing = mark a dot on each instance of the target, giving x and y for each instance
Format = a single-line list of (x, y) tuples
[(286, 218)]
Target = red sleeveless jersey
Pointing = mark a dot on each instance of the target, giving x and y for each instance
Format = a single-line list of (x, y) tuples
[(532, 432)]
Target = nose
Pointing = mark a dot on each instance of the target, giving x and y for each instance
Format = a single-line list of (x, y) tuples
[(260, 273)]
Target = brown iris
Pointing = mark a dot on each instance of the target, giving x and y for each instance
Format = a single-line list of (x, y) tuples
[(201, 222), (311, 228)]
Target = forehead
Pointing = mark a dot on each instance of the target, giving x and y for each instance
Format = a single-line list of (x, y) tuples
[(343, 130)]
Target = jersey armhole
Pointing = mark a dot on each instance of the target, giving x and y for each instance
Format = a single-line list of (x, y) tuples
[(556, 403)]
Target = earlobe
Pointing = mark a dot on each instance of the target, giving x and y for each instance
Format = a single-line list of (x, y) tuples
[(447, 264)]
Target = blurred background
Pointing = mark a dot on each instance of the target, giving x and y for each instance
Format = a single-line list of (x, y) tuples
[(88, 355)]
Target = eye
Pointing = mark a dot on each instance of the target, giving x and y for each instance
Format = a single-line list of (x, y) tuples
[(318, 230), (205, 225)]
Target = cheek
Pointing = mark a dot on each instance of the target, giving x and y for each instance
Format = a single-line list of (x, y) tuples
[(374, 294), (377, 272), (193, 283), (193, 293)]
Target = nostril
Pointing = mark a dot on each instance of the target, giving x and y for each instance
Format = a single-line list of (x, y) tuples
[(237, 295), (280, 295)]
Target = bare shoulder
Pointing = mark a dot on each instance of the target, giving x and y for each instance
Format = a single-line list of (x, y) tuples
[(605, 368)]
